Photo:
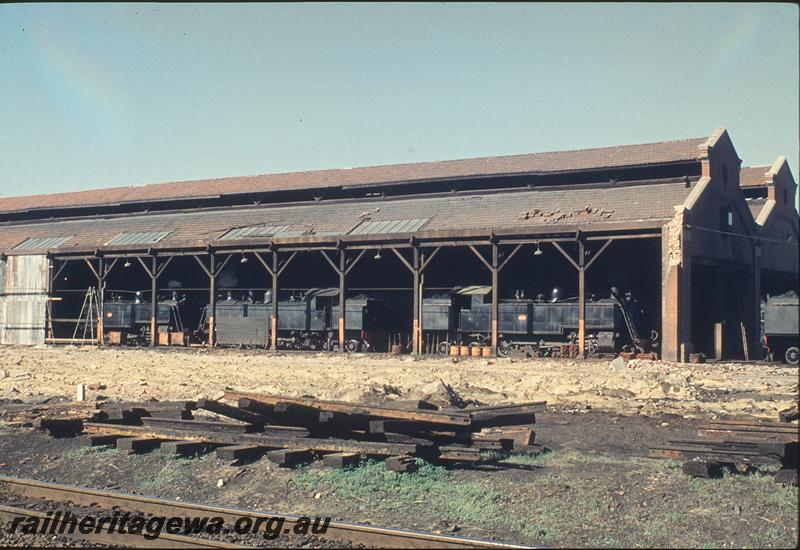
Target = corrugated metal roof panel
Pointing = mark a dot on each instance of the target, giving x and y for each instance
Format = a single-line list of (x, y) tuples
[(256, 231), (324, 292), (380, 227), (148, 237), (475, 290), (42, 242)]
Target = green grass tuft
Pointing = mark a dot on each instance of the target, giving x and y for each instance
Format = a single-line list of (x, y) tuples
[(376, 487), (80, 452)]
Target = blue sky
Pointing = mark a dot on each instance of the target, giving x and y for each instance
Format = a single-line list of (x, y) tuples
[(120, 94)]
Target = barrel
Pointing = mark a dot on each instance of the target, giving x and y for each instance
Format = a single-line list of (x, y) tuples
[(464, 350), (487, 351), (397, 349), (454, 350), (475, 351)]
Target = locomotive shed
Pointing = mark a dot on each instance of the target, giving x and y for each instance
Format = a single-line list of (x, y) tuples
[(697, 241)]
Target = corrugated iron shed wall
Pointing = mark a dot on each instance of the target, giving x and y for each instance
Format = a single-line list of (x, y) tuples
[(24, 301)]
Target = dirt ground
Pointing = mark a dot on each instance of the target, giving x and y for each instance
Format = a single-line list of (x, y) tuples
[(638, 386), (595, 488)]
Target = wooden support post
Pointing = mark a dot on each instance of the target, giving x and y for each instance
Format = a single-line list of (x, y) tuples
[(51, 278), (341, 269), (425, 260), (581, 266), (420, 328), (416, 344), (495, 298), (103, 270), (274, 322), (342, 300), (718, 340), (745, 347), (581, 299), (153, 302), (212, 300), (494, 269), (275, 272), (101, 287), (417, 267), (98, 274)]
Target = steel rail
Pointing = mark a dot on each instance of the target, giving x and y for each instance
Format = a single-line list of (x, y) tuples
[(353, 533)]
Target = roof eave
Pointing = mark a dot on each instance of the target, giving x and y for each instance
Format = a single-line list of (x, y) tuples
[(567, 231)]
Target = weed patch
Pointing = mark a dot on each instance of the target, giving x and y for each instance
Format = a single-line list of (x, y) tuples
[(164, 478), (375, 486), (81, 452)]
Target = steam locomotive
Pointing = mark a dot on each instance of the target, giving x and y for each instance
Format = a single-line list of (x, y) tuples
[(542, 326), (306, 321), (781, 330), (131, 316)]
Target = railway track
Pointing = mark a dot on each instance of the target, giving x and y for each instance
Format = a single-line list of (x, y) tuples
[(346, 534)]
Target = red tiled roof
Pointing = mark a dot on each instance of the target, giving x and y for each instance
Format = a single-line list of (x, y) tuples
[(584, 206), (534, 163), (753, 176)]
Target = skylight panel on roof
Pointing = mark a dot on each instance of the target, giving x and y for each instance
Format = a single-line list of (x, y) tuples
[(380, 227), (258, 231), (42, 242), (149, 237)]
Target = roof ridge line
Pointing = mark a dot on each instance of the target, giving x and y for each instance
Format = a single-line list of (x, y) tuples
[(350, 169)]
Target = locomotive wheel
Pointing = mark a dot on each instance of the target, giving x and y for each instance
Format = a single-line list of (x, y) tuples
[(504, 349), (352, 345), (792, 355), (443, 348)]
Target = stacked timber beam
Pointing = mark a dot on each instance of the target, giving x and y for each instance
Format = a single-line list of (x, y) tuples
[(296, 430), (61, 415), (736, 443)]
